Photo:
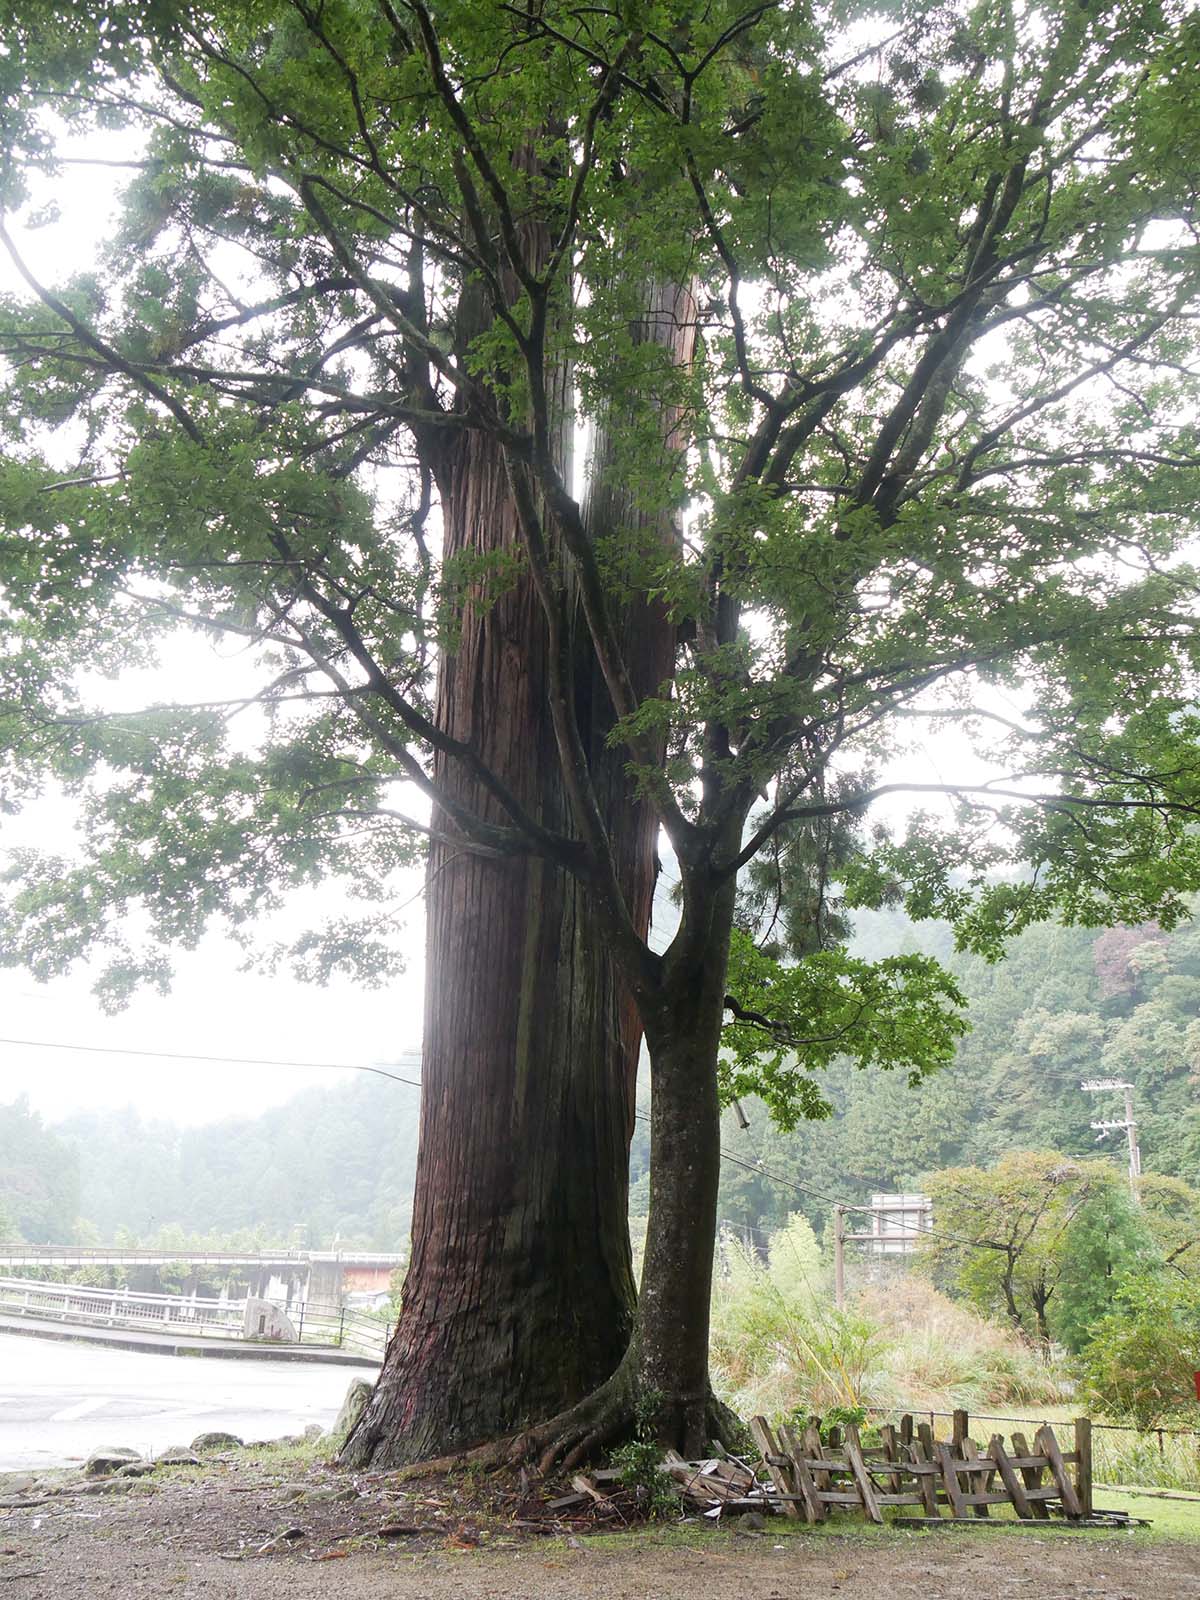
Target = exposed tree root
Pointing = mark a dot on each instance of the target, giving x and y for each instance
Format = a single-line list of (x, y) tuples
[(611, 1414)]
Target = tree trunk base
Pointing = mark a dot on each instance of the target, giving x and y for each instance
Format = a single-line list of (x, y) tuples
[(619, 1410)]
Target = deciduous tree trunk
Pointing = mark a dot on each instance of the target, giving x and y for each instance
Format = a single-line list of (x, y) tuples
[(663, 1382), (685, 1173)]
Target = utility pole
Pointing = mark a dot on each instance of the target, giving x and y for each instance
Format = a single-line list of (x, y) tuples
[(839, 1257), (1128, 1127)]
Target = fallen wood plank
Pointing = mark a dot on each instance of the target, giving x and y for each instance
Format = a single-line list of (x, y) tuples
[(1098, 1519), (584, 1486), (566, 1501)]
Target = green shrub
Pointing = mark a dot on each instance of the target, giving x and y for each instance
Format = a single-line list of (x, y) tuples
[(640, 1464), (1141, 1357)]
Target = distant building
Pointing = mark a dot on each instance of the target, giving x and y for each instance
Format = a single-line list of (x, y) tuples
[(896, 1222)]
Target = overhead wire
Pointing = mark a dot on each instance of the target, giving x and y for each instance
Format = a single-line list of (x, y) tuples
[(817, 1302), (757, 1167), (232, 1061)]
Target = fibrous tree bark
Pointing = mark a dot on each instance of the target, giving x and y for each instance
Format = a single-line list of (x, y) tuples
[(519, 1299)]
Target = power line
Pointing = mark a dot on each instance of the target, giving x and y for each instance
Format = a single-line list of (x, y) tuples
[(231, 1061), (847, 1205), (415, 1083)]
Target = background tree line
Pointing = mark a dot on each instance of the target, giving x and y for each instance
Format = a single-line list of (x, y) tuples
[(339, 1163)]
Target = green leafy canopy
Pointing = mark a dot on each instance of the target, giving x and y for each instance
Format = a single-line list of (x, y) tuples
[(933, 461)]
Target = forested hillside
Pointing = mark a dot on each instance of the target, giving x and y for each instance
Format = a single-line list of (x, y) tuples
[(330, 1165), (1066, 1004), (39, 1178), (339, 1163)]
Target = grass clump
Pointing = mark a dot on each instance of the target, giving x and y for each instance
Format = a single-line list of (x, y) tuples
[(780, 1347)]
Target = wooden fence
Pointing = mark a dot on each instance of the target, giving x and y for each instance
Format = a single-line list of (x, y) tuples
[(909, 1467), (938, 1479)]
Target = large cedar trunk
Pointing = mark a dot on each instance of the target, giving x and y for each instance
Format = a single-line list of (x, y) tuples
[(519, 1297)]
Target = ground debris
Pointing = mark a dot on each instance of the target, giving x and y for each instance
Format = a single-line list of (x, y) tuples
[(717, 1484), (585, 1485)]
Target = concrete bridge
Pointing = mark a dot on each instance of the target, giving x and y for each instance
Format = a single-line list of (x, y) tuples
[(322, 1276), (190, 1324)]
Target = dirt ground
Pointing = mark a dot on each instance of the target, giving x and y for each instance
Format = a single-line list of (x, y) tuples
[(251, 1528)]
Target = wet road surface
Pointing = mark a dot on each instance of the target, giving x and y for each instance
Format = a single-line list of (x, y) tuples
[(59, 1401)]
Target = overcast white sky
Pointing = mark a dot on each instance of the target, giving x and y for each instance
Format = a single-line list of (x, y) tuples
[(214, 1009)]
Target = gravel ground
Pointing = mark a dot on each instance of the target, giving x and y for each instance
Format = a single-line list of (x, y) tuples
[(221, 1530)]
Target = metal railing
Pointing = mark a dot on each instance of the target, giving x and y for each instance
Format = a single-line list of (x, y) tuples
[(323, 1326), (53, 1254)]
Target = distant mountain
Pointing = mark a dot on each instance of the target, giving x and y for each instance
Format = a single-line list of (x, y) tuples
[(339, 1164), (332, 1166)]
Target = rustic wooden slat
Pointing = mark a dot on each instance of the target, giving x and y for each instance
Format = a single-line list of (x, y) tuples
[(891, 1452), (1083, 1469), (925, 1478), (1031, 1474), (950, 1479), (899, 1499), (814, 1511), (761, 1433), (973, 1465), (1045, 1440), (861, 1476), (978, 1501), (839, 1497), (812, 1446), (960, 1423), (906, 1428), (925, 1435), (1008, 1476)]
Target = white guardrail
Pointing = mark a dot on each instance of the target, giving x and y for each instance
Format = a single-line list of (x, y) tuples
[(321, 1325)]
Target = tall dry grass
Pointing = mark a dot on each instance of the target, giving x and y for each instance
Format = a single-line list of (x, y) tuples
[(779, 1345)]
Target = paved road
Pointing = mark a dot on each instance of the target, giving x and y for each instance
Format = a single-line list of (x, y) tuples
[(60, 1401)]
